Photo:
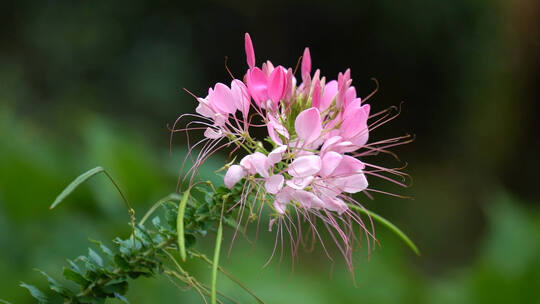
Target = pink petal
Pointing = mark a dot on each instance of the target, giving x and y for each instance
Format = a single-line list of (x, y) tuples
[(306, 63), (222, 99), (348, 166), (330, 142), (257, 83), (316, 97), (245, 162), (330, 92), (204, 108), (280, 207), (274, 183), (335, 204), (240, 96), (211, 133), (285, 195), (277, 83), (234, 175), (308, 199), (250, 53), (276, 155), (350, 95), (300, 182), (351, 184), (330, 161), (308, 125), (355, 123), (274, 126), (290, 84), (258, 161), (304, 166)]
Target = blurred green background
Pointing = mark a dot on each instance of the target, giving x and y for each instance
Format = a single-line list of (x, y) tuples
[(96, 83)]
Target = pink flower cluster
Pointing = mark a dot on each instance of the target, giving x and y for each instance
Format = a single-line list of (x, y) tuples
[(314, 127)]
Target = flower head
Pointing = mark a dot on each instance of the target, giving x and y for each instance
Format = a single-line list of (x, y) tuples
[(317, 141)]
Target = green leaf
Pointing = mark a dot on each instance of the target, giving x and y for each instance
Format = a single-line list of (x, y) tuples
[(103, 248), (388, 225), (116, 288), (74, 276), (55, 286), (4, 302), (81, 179), (74, 184), (36, 293), (94, 256)]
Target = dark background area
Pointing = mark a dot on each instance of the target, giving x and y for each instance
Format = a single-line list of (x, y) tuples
[(96, 83)]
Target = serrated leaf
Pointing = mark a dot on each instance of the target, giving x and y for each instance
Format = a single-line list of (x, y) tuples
[(74, 184), (36, 293), (95, 257), (103, 248), (74, 267), (156, 221), (121, 262), (76, 277), (54, 285)]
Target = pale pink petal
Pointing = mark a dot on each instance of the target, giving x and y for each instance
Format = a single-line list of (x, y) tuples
[(306, 63), (213, 134), (274, 183), (280, 207), (350, 95), (329, 93), (304, 166), (330, 142), (271, 127), (276, 155), (330, 161), (234, 175), (308, 199), (245, 162), (285, 195), (300, 182), (282, 198), (250, 53), (308, 125), (351, 184), (335, 204), (355, 124), (348, 166), (222, 99), (258, 161), (204, 108), (240, 96)]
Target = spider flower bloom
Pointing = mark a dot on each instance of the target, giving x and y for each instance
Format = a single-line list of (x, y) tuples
[(318, 132)]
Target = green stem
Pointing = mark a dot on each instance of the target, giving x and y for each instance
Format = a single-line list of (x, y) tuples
[(388, 225), (230, 276), (170, 197), (215, 263), (180, 225)]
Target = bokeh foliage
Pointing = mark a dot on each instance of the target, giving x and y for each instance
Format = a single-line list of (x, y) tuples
[(95, 83)]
